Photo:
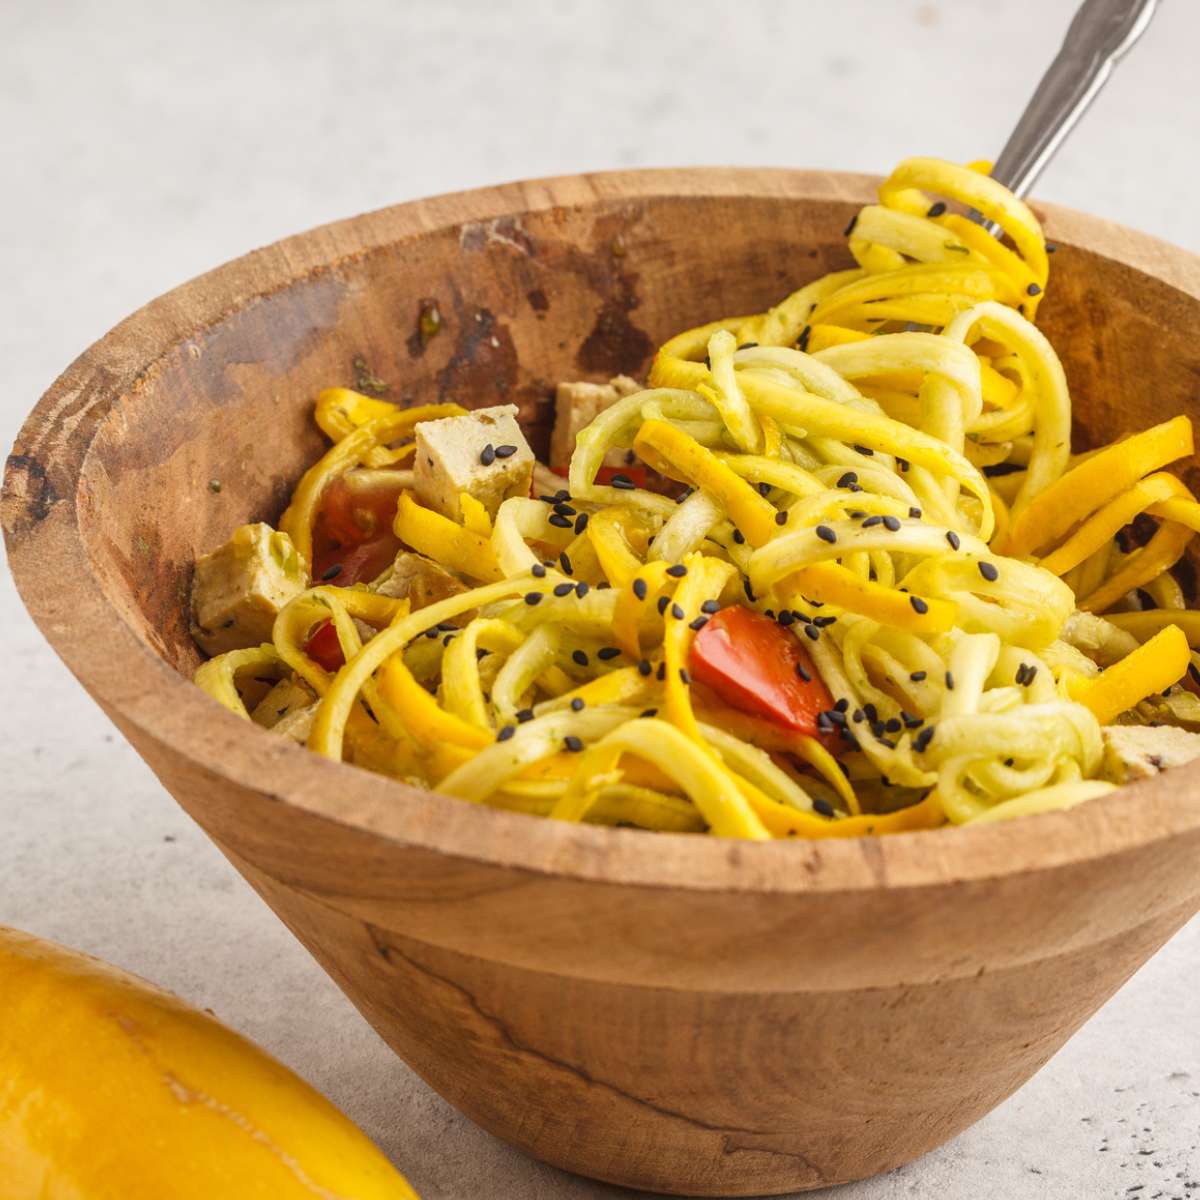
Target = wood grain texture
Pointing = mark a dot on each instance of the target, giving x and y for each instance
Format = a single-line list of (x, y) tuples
[(676, 1013)]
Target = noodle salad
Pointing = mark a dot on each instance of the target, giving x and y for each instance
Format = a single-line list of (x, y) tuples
[(834, 570)]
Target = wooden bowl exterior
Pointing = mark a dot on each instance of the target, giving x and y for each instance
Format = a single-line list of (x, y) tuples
[(674, 1013)]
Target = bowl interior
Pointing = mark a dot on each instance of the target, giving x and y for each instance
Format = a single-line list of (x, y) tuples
[(535, 283)]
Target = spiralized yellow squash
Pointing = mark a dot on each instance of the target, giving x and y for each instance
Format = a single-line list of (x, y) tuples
[(881, 461)]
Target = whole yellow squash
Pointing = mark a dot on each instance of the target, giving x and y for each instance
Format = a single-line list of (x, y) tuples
[(112, 1089)]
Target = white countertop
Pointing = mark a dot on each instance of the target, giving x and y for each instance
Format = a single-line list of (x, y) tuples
[(142, 148)]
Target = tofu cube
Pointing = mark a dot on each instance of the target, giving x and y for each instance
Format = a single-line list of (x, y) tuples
[(1133, 752), (576, 406), (419, 578), (483, 453), (238, 590)]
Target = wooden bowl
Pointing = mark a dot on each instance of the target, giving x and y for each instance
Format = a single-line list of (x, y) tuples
[(677, 1013)]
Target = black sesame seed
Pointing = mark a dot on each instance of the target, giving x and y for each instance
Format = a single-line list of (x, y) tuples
[(953, 539), (769, 614), (891, 524), (914, 512), (581, 589), (846, 480), (505, 451), (623, 482), (559, 521), (579, 657), (748, 590), (747, 345), (644, 667), (447, 639), (698, 624), (577, 704), (989, 572), (524, 714), (572, 743), (639, 588), (812, 632), (661, 673), (936, 210), (826, 534), (864, 450), (823, 807), (332, 573), (781, 517), (677, 612), (684, 677), (480, 653), (803, 673), (870, 522), (538, 571), (850, 228), (738, 537), (1050, 247), (764, 489), (488, 455), (786, 617), (822, 622), (678, 571), (841, 705), (871, 711), (918, 604), (892, 725), (922, 740), (565, 563), (949, 682), (505, 733), (581, 522), (663, 601), (802, 341), (710, 606), (648, 712), (1033, 290), (891, 745), (564, 510), (917, 676), (532, 598), (607, 652), (910, 720), (563, 589), (562, 494)]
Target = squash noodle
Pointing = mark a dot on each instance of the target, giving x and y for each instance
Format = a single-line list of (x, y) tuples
[(882, 463)]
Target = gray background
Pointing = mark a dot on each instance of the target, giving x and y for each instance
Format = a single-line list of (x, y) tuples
[(144, 142)]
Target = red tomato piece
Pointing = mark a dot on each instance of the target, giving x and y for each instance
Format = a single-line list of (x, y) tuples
[(637, 475), (324, 648), (356, 564), (353, 532), (759, 667)]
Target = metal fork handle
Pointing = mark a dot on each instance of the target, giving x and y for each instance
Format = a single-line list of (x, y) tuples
[(1099, 36)]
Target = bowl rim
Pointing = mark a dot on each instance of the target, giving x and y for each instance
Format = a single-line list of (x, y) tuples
[(44, 524)]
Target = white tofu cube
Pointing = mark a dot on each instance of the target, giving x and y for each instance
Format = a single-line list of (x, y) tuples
[(419, 578), (576, 406), (483, 453), (1133, 752), (238, 590)]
